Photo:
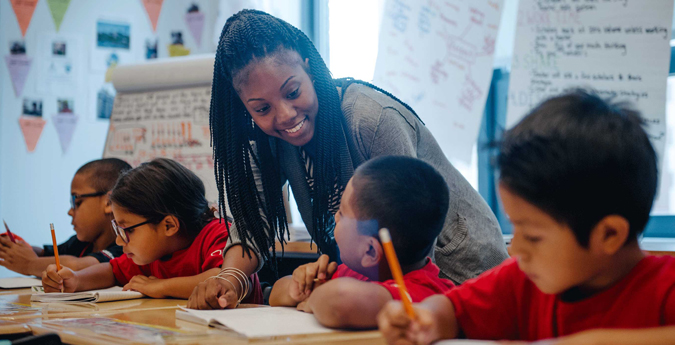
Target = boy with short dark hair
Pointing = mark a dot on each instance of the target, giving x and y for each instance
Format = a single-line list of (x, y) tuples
[(403, 194), (577, 179), (94, 240)]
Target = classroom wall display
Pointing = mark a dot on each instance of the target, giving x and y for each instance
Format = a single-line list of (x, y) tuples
[(153, 8), (18, 66), (31, 128), (162, 110), (112, 45), (60, 63), (195, 22), (23, 9), (58, 10), (437, 57), (619, 48)]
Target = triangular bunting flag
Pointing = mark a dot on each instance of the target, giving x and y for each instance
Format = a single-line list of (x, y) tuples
[(58, 9), (18, 66), (195, 22), (32, 129), (65, 126), (153, 7), (23, 9)]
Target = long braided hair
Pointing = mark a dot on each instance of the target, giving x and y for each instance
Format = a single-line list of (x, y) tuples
[(248, 36)]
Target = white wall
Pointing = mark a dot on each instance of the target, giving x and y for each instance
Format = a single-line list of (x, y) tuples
[(34, 187)]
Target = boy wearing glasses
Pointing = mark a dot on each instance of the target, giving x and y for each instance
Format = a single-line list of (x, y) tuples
[(94, 239)]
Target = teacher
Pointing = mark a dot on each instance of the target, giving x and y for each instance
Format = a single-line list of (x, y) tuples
[(277, 115)]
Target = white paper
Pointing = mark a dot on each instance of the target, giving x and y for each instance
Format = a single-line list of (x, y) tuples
[(19, 282), (437, 57), (59, 64), (619, 48), (170, 123), (104, 295), (262, 322)]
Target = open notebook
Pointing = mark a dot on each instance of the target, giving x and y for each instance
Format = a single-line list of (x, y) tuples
[(256, 322), (19, 282), (105, 295)]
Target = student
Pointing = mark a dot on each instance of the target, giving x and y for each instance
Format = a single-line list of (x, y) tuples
[(171, 238), (94, 239), (403, 194), (277, 114), (577, 179)]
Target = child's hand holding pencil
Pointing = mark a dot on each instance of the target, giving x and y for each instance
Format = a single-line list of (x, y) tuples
[(63, 280)]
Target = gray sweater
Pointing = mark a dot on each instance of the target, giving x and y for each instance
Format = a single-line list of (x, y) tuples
[(377, 125)]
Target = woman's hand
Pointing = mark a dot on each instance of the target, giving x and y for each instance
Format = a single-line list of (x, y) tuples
[(215, 294), (149, 286), (64, 280), (303, 283)]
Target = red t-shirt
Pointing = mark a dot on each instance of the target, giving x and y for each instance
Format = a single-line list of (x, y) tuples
[(420, 283), (205, 253), (503, 304)]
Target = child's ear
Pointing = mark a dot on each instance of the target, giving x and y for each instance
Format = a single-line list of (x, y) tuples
[(170, 225), (107, 208), (374, 253), (609, 235)]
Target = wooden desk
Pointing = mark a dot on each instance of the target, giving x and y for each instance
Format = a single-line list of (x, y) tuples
[(173, 331)]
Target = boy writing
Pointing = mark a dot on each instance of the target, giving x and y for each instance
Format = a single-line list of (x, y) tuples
[(403, 194), (94, 239), (577, 179)]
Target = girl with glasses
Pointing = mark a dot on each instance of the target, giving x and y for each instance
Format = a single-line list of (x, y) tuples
[(171, 238)]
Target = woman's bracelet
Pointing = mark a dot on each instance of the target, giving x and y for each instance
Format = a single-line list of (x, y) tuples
[(231, 284)]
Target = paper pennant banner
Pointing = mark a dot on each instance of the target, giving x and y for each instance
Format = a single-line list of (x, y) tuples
[(18, 66), (58, 9), (195, 22), (23, 9), (32, 129), (65, 126), (178, 50), (153, 7)]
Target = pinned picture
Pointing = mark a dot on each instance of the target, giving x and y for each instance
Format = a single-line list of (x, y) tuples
[(64, 106), (17, 48), (176, 38), (113, 35), (32, 107), (150, 49), (59, 48), (104, 102)]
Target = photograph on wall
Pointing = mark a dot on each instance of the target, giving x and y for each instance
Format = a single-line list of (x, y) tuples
[(100, 99), (32, 107), (151, 48), (17, 47), (64, 105), (112, 44), (59, 64), (177, 48), (113, 35), (59, 48)]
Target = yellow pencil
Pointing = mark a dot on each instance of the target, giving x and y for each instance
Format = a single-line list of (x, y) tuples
[(396, 271), (56, 249)]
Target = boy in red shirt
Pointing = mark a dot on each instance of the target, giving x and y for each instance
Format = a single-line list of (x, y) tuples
[(577, 179), (403, 194)]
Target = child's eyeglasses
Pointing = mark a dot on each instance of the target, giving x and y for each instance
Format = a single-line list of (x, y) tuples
[(122, 232), (74, 197)]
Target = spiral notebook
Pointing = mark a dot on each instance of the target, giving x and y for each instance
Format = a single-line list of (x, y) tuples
[(105, 295)]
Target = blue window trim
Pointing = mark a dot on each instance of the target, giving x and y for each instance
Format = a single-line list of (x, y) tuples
[(492, 127)]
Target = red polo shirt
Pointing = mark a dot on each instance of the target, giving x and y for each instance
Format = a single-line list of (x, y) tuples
[(503, 304), (205, 253), (420, 283)]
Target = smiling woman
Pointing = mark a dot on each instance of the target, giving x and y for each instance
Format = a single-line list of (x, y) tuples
[(278, 116)]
